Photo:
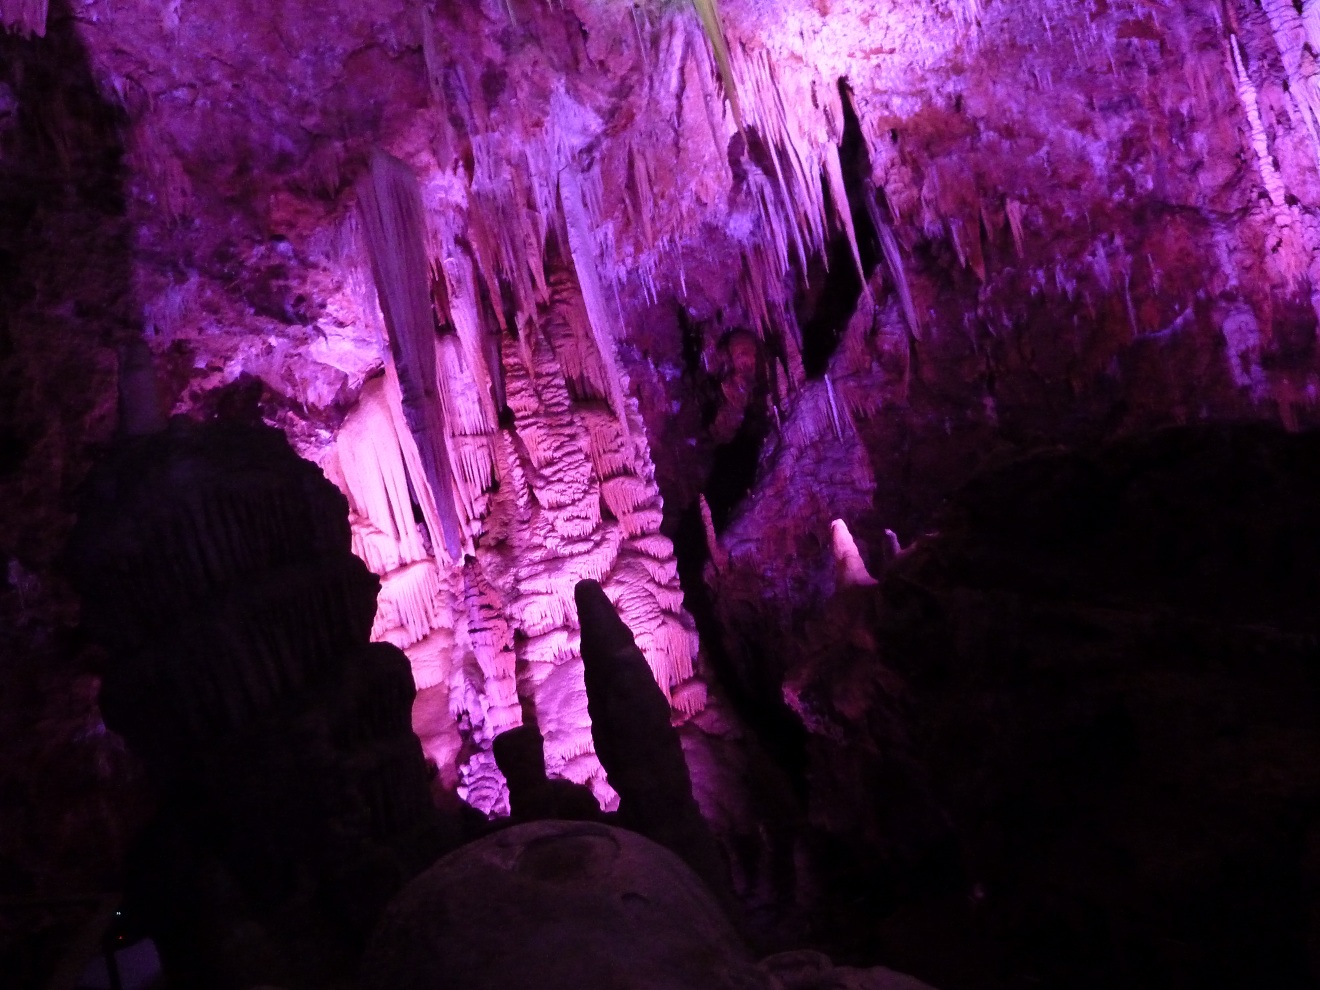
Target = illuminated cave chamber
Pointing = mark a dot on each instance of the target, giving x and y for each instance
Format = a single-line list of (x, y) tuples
[(722, 306)]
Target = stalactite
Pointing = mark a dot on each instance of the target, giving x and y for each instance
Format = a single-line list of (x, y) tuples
[(708, 11), (625, 494), (1269, 172), (604, 323), (558, 646), (893, 262), (790, 336), (412, 458), (1014, 210), (470, 441), (839, 196), (408, 603), (566, 727), (455, 283), (1296, 29), (689, 697), (643, 195), (968, 13), (719, 557), (509, 235), (395, 225), (567, 326), (375, 479), (834, 408), (802, 146), (815, 417), (378, 550), (432, 658), (435, 69)]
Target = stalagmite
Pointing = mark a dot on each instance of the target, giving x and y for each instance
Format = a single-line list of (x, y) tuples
[(261, 635), (850, 569), (520, 755), (140, 410), (640, 751), (482, 785)]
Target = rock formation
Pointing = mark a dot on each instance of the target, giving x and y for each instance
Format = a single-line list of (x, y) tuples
[(565, 905), (215, 567), (647, 294), (641, 753), (564, 490), (520, 755)]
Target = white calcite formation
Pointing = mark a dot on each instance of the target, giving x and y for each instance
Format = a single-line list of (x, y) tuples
[(565, 490), (849, 568)]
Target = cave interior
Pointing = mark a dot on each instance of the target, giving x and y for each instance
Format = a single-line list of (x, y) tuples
[(756, 495)]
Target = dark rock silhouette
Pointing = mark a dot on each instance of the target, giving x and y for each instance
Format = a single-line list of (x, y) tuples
[(580, 906), (214, 566), (637, 745), (520, 755), (559, 906)]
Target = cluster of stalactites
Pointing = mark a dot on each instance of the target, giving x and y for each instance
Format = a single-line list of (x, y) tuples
[(1290, 241), (471, 308), (790, 125), (1296, 28), (803, 147), (577, 497), (394, 224), (522, 192)]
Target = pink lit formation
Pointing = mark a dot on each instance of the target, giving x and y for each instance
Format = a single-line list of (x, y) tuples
[(460, 240)]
